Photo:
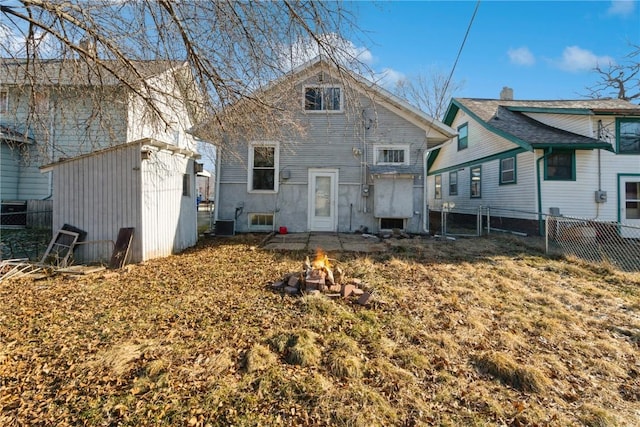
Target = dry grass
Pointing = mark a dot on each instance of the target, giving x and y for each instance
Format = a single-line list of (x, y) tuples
[(473, 332)]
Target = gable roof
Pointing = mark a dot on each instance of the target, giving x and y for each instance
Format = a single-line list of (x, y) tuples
[(355, 81), (507, 119), (383, 96), (77, 72)]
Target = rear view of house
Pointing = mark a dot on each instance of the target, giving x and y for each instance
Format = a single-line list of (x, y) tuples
[(526, 158), (356, 162)]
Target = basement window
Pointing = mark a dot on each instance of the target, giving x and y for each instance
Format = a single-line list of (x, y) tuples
[(391, 223), (261, 221)]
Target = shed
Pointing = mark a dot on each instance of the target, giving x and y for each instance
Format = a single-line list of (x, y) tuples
[(145, 184)]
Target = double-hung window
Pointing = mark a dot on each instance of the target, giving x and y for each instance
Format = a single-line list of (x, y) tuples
[(453, 183), (463, 136), (560, 166), (476, 182), (323, 98), (508, 170), (263, 167), (628, 136), (438, 187)]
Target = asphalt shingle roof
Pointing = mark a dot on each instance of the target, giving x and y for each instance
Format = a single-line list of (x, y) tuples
[(507, 117)]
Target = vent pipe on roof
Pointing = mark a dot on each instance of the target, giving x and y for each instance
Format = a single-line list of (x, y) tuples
[(506, 94)]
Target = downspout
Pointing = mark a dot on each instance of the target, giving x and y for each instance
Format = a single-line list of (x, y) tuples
[(216, 199), (540, 221), (425, 193)]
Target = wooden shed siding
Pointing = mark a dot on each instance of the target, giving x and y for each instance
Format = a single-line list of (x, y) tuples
[(100, 194), (169, 218)]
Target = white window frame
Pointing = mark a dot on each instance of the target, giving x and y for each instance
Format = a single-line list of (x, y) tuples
[(276, 176), (322, 110), (252, 215), (4, 101), (378, 148)]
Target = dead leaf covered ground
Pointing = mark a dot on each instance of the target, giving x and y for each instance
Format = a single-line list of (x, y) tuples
[(482, 331)]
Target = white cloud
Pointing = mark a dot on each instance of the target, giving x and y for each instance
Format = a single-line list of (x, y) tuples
[(622, 7), (575, 59), (10, 42), (521, 56), (388, 78), (344, 50)]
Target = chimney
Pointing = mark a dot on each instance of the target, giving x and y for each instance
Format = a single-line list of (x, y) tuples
[(506, 94)]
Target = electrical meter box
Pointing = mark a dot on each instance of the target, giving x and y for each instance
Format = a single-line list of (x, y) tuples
[(601, 196)]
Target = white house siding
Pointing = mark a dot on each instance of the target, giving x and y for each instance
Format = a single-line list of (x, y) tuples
[(9, 164), (577, 123), (512, 200), (170, 102), (481, 143), (86, 120), (563, 194), (168, 216), (100, 194), (332, 140)]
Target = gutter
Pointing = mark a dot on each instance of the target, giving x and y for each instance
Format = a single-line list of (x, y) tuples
[(217, 175)]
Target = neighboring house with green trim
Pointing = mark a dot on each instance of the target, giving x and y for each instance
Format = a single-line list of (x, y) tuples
[(580, 158)]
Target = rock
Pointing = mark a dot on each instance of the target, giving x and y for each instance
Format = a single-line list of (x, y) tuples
[(278, 285), (293, 282), (335, 288), (357, 292), (347, 290), (365, 298), (290, 290)]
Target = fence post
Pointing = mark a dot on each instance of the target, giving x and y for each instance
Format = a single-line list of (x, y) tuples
[(479, 221), (443, 220), (488, 220), (546, 235)]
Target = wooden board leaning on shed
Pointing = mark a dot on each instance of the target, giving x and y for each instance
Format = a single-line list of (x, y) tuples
[(121, 249)]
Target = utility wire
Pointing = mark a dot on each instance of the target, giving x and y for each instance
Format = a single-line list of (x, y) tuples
[(453, 68)]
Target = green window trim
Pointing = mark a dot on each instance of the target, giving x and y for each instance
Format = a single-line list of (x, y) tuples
[(508, 172), (629, 144), (475, 182), (437, 193), (453, 183), (463, 136), (556, 167)]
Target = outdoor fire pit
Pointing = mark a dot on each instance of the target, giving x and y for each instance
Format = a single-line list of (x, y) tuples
[(322, 276)]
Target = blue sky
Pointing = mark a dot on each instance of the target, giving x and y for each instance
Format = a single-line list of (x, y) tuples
[(541, 49)]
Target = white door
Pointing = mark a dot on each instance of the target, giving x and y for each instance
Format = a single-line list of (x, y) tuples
[(630, 205), (323, 199)]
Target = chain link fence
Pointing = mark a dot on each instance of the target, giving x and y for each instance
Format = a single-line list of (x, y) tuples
[(612, 243)]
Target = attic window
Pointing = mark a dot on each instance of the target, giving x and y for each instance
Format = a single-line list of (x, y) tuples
[(323, 98)]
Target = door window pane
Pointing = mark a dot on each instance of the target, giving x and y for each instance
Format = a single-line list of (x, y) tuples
[(323, 196)]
